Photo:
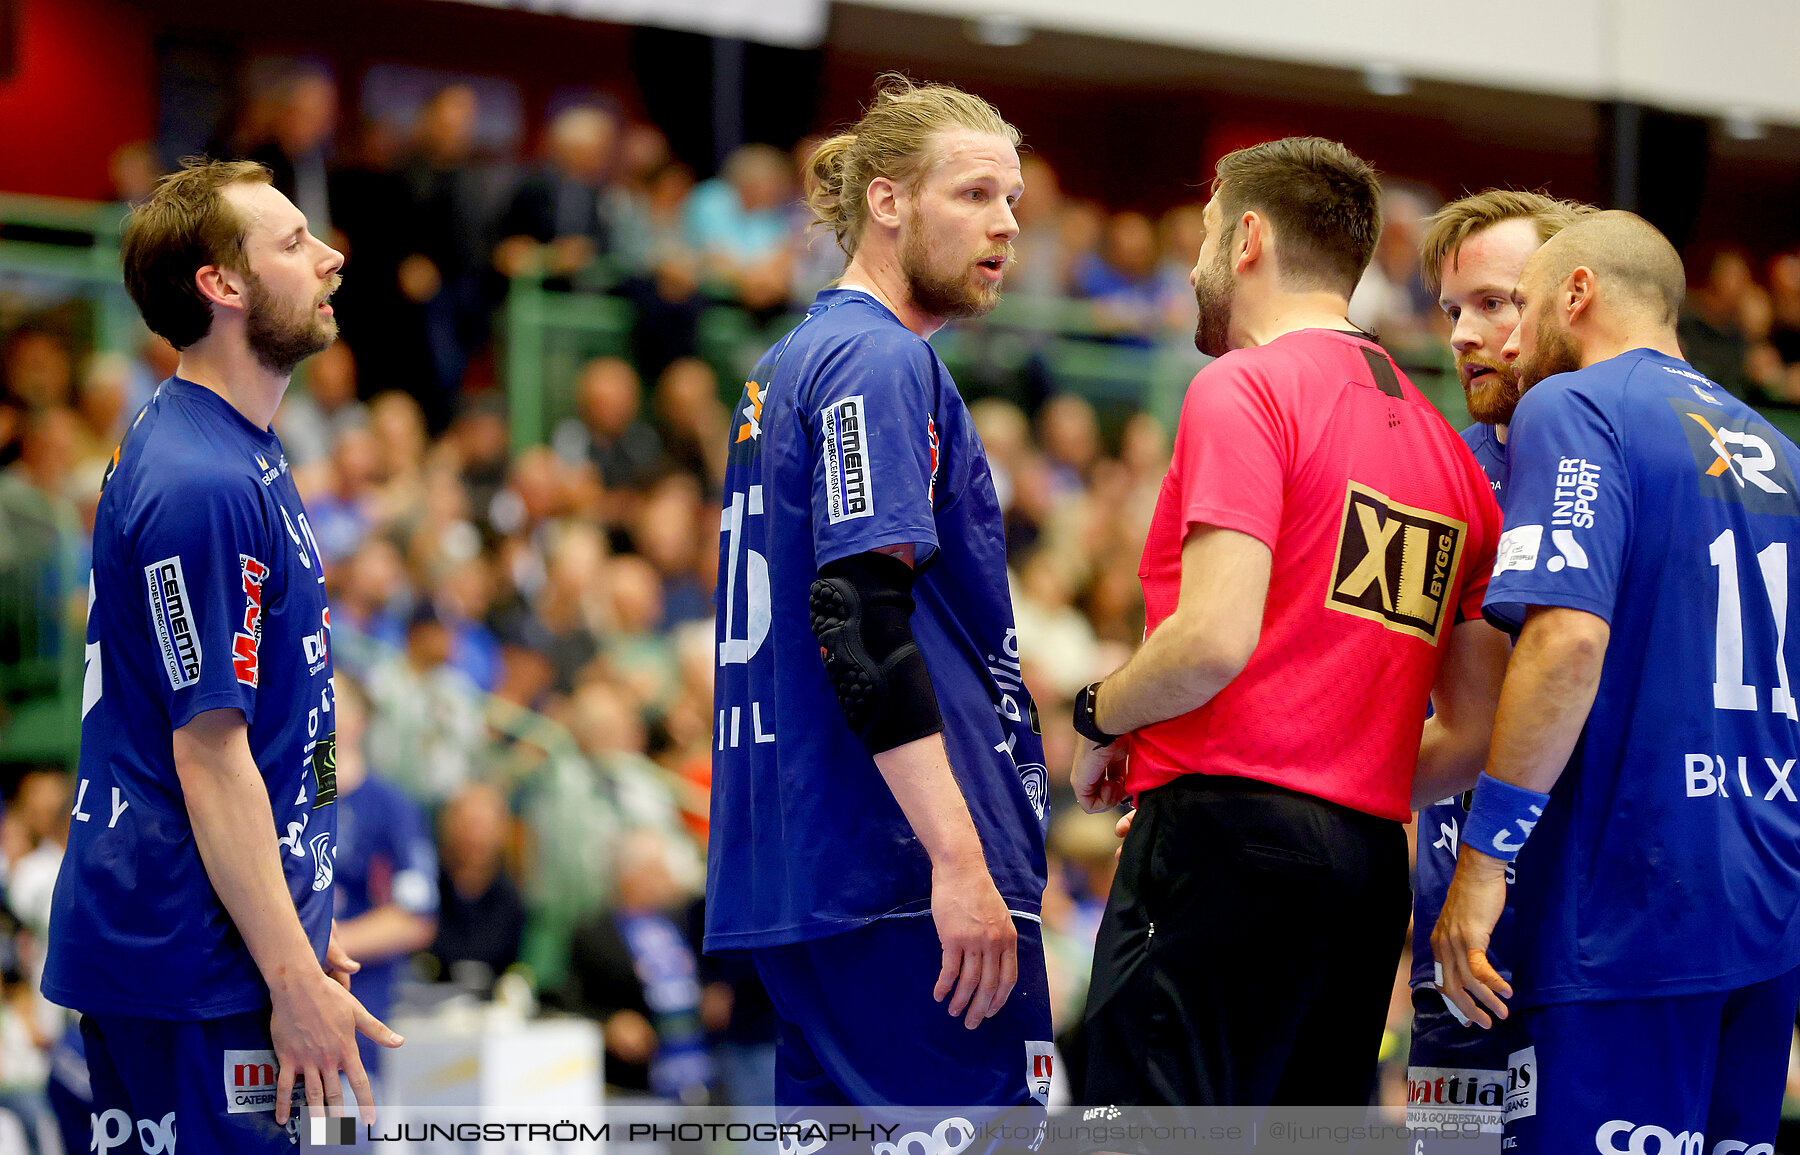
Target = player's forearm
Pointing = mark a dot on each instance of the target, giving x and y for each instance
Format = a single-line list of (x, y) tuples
[(1204, 644), (1181, 667), (1454, 746), (234, 832), (1544, 702), (385, 932), (918, 773)]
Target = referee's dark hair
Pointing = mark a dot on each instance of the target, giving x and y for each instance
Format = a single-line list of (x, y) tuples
[(185, 225), (1323, 200)]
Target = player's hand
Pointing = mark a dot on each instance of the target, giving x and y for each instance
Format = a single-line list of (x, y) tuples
[(981, 945), (1459, 941), (338, 963), (1098, 775), (1122, 828), (314, 1028)]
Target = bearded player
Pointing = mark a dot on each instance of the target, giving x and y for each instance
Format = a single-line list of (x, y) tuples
[(879, 788)]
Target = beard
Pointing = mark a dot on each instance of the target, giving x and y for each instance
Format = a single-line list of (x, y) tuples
[(1491, 398), (1214, 290), (1553, 351), (945, 293), (282, 338)]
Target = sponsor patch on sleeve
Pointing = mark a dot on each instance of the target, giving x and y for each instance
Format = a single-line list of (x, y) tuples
[(849, 488), (1518, 549), (246, 644), (172, 617)]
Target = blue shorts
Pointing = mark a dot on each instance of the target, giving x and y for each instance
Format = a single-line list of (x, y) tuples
[(1693, 1073), (211, 1082), (858, 1027), (1456, 1079)]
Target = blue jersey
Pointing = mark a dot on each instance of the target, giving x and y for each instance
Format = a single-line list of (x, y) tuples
[(384, 856), (850, 436), (207, 592), (1439, 828), (1667, 861)]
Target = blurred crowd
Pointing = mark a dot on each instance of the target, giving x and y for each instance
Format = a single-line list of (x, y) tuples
[(532, 630)]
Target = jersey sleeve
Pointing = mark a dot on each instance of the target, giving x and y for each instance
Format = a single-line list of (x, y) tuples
[(873, 431), (1232, 453), (1568, 509), (203, 552), (1483, 542)]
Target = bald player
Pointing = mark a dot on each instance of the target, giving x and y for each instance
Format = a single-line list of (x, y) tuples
[(1646, 731)]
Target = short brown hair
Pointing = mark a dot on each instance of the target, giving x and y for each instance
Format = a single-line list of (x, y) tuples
[(1452, 226), (185, 225), (893, 140), (1323, 199)]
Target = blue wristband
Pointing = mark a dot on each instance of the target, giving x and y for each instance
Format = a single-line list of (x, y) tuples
[(1502, 817)]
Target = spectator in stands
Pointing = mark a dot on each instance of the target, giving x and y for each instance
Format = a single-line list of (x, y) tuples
[(370, 598), (608, 432), (310, 419), (301, 117), (1784, 317), (100, 411), (572, 613), (1056, 642), (38, 483), (481, 918), (385, 890), (448, 224), (1123, 280), (738, 223), (635, 968), (343, 511), (691, 422), (1181, 231), (1716, 318), (669, 532), (427, 727), (1070, 435), (1044, 265), (564, 216), (479, 447), (37, 366), (132, 170), (1391, 300), (662, 269)]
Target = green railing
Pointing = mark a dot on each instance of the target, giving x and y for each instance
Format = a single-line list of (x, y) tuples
[(72, 243)]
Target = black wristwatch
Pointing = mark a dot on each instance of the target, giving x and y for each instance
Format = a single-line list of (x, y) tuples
[(1084, 717)]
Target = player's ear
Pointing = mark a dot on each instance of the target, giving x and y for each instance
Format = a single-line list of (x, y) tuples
[(883, 199), (220, 285), (1578, 293), (1249, 239)]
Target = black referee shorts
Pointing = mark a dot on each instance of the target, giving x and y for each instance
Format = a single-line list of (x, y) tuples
[(1248, 950)]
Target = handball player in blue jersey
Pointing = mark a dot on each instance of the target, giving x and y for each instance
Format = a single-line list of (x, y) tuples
[(1470, 258), (878, 806), (191, 923), (1647, 728)]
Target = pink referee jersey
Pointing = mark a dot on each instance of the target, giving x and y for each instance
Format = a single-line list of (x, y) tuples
[(1383, 530)]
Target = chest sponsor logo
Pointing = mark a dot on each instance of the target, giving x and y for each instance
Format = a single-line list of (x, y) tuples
[(1738, 459), (1396, 564), (172, 617), (1521, 1085), (849, 488), (246, 644)]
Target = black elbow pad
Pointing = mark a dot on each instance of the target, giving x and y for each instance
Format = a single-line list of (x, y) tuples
[(861, 610)]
